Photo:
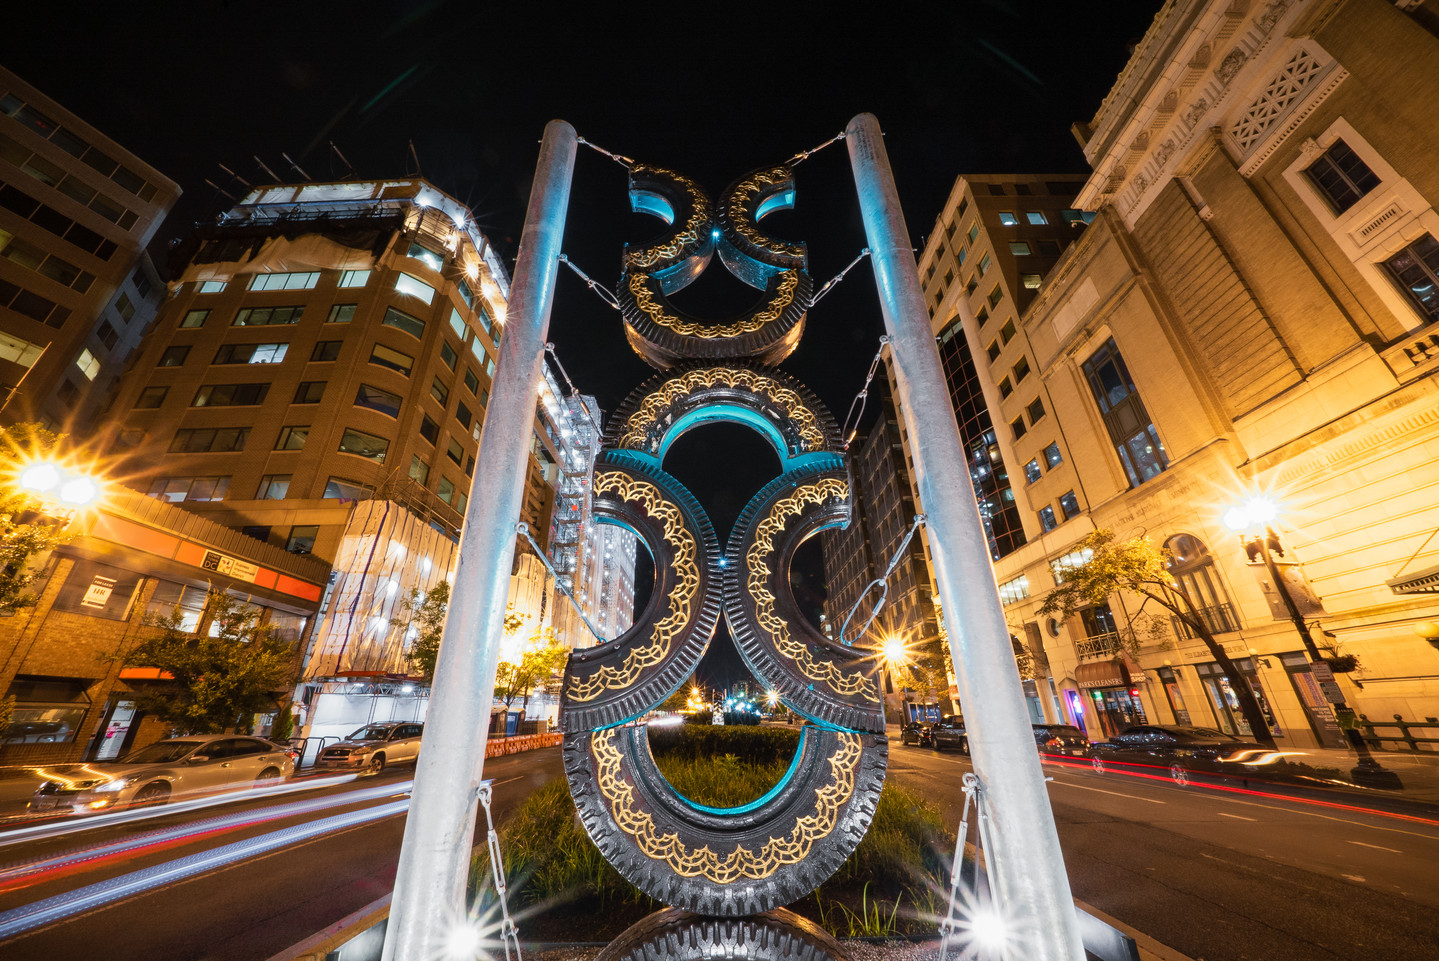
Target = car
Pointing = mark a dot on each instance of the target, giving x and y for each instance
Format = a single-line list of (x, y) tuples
[(949, 732), (373, 747), (161, 771), (916, 733), (1061, 739), (1178, 751)]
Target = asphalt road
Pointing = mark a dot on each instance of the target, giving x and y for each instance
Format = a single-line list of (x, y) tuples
[(246, 911), (1223, 876)]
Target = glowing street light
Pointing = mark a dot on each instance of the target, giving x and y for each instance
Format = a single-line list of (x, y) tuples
[(894, 651), (63, 489)]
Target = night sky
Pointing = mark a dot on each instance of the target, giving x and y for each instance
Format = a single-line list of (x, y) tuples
[(712, 90)]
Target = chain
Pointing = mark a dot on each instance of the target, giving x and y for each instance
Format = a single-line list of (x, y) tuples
[(523, 530), (508, 931), (603, 293), (883, 582), (851, 420), (839, 276)]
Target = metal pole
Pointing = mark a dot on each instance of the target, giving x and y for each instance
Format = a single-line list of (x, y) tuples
[(434, 863), (1025, 862)]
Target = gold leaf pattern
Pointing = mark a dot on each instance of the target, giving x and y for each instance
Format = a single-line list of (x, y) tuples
[(784, 296), (789, 402), (646, 258), (737, 210)]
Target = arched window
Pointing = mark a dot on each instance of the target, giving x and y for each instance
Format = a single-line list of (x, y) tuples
[(1193, 567)]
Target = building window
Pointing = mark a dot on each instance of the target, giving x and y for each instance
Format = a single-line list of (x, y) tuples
[(1035, 217), (268, 316), (1047, 521), (1017, 426), (463, 415), (455, 452), (982, 316), (1021, 369), (325, 350), (340, 488), (1022, 189), (1019, 248), (429, 430), (292, 281), (250, 353), (993, 351), (88, 364), (378, 399), (995, 296), (68, 392), (194, 318), (293, 437), (400, 320), (973, 232), (354, 278), (1051, 455), (457, 324), (996, 190), (1035, 411), (1031, 471), (1069, 505), (472, 381), (108, 335), (151, 397), (341, 314), (1015, 590), (1008, 218), (309, 392), (200, 439), (257, 532), (176, 490), (1416, 268), (961, 256), (445, 489), (448, 355), (302, 539), (1192, 566), (230, 395), (211, 287), (1031, 281), (364, 445), (391, 359), (439, 391), (419, 470), (430, 258), (173, 356), (1341, 176), (1049, 248), (414, 287), (1007, 332), (984, 264), (273, 487), (1130, 429), (1005, 388)]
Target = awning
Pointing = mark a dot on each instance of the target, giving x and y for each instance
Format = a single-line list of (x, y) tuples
[(1110, 673), (1420, 582)]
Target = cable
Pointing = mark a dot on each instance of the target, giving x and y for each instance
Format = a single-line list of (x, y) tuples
[(851, 420), (620, 159), (804, 155), (594, 285), (833, 281)]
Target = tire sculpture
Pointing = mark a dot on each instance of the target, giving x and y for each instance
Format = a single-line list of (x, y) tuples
[(673, 935), (722, 863)]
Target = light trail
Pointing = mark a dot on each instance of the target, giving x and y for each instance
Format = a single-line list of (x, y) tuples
[(72, 825), (19, 921), (34, 872)]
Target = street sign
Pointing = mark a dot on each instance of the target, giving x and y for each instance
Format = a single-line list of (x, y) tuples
[(1325, 678)]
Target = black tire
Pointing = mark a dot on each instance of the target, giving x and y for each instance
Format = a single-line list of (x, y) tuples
[(1097, 763), (376, 765), (267, 775), (675, 935), (153, 794), (796, 839), (1179, 774), (964, 747)]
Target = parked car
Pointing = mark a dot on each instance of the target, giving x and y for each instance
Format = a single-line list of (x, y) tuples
[(371, 748), (916, 733), (161, 771), (1178, 751), (1061, 739), (949, 732)]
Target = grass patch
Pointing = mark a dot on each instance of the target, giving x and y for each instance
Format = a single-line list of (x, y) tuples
[(752, 745), (720, 782)]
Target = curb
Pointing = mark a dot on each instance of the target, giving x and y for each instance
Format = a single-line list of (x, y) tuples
[(1149, 949)]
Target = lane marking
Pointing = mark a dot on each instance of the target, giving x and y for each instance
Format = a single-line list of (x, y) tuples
[(1134, 797), (1330, 817), (1376, 847), (1237, 817)]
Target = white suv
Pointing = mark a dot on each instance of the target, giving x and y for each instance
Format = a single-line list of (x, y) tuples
[(373, 747)]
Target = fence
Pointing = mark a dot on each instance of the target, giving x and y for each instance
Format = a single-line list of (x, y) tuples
[(1405, 735)]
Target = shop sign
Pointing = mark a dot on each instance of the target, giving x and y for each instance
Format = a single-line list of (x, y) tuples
[(230, 566)]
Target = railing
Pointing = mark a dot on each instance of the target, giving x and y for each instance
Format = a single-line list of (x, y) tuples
[(1404, 727), (1100, 645), (1219, 619)]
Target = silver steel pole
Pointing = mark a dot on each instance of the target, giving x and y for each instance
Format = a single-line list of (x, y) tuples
[(429, 895), (1026, 862)]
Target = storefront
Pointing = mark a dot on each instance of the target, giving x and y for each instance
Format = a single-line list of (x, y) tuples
[(1108, 687), (1224, 701)]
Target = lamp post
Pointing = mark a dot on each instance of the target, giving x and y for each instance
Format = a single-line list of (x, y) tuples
[(1247, 522), (62, 490)]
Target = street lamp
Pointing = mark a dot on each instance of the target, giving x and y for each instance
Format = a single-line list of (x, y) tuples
[(63, 490), (1253, 522)]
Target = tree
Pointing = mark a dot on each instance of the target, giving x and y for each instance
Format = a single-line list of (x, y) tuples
[(25, 533), (219, 679), (543, 656), (426, 614), (1136, 565)]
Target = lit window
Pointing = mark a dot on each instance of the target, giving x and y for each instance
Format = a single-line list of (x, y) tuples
[(1047, 519), (419, 470), (1031, 471), (194, 318), (1416, 268), (302, 539), (354, 278), (287, 281), (457, 324), (1031, 281), (399, 320), (211, 286), (88, 365), (341, 314), (1008, 218), (1051, 455), (1341, 176), (445, 489), (427, 256), (365, 445), (391, 359), (1014, 590), (176, 490), (1036, 217), (273, 487), (414, 287), (1019, 248), (1069, 505), (251, 353), (343, 489)]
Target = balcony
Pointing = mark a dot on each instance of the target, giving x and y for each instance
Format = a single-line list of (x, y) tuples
[(1219, 619), (1100, 646)]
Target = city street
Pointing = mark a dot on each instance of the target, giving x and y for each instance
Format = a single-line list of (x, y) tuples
[(1219, 875)]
